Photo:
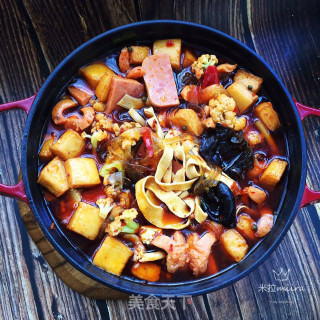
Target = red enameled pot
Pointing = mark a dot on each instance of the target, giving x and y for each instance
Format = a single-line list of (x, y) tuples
[(291, 112)]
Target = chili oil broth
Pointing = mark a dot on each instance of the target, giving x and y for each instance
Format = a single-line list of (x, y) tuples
[(62, 208)]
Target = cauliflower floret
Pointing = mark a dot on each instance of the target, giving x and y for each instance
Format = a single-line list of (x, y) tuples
[(111, 192), (128, 143), (222, 111), (97, 105), (203, 62), (148, 233), (96, 136), (101, 121), (105, 206), (124, 223)]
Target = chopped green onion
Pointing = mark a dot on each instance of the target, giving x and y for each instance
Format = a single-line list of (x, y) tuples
[(131, 224)]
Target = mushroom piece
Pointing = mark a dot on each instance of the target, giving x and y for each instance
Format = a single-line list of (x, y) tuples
[(219, 204)]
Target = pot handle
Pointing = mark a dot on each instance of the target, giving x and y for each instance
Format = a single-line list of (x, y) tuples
[(309, 196), (17, 191)]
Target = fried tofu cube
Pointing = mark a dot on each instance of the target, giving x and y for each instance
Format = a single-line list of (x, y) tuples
[(248, 79), (188, 59), (53, 177), (187, 120), (94, 72), (234, 244), (69, 145), (244, 226), (86, 221), (273, 173), (103, 88), (172, 47), (112, 255), (45, 152), (138, 54), (82, 173), (243, 97), (265, 112)]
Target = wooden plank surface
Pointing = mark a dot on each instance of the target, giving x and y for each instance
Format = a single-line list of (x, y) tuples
[(36, 35)]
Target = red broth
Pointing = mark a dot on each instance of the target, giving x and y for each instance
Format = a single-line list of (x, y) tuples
[(63, 207)]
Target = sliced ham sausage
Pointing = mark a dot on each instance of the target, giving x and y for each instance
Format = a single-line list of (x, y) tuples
[(159, 80), (119, 87)]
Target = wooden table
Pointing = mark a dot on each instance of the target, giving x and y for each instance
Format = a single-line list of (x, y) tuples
[(36, 35)]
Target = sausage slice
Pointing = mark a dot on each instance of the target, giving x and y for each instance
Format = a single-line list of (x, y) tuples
[(159, 80)]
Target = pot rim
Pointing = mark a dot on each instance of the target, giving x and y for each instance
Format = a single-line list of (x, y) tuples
[(161, 289)]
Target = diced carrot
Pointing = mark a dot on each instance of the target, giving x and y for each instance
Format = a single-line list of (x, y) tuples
[(211, 92), (146, 271), (136, 73), (212, 265), (82, 95), (124, 61), (190, 93), (119, 87)]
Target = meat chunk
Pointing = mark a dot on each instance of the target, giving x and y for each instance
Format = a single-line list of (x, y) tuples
[(119, 87), (256, 194), (159, 80), (199, 251), (176, 248)]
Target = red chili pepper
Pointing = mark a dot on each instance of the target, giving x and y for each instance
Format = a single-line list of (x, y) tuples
[(211, 76), (147, 139), (170, 43)]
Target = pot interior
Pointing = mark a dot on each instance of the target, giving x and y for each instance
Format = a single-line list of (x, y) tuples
[(213, 42)]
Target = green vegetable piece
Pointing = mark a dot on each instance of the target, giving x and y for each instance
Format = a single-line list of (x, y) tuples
[(106, 169)]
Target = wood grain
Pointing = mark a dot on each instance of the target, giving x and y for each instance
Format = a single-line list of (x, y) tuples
[(36, 35)]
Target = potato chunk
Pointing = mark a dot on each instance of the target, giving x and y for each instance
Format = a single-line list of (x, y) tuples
[(234, 244), (243, 97), (53, 177), (69, 145), (103, 87), (82, 173), (86, 221), (187, 120), (172, 47), (248, 79), (112, 255), (244, 226), (273, 173), (45, 152), (94, 72), (188, 59), (138, 54), (265, 112)]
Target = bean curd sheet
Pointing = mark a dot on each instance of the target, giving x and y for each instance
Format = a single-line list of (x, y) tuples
[(164, 163)]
